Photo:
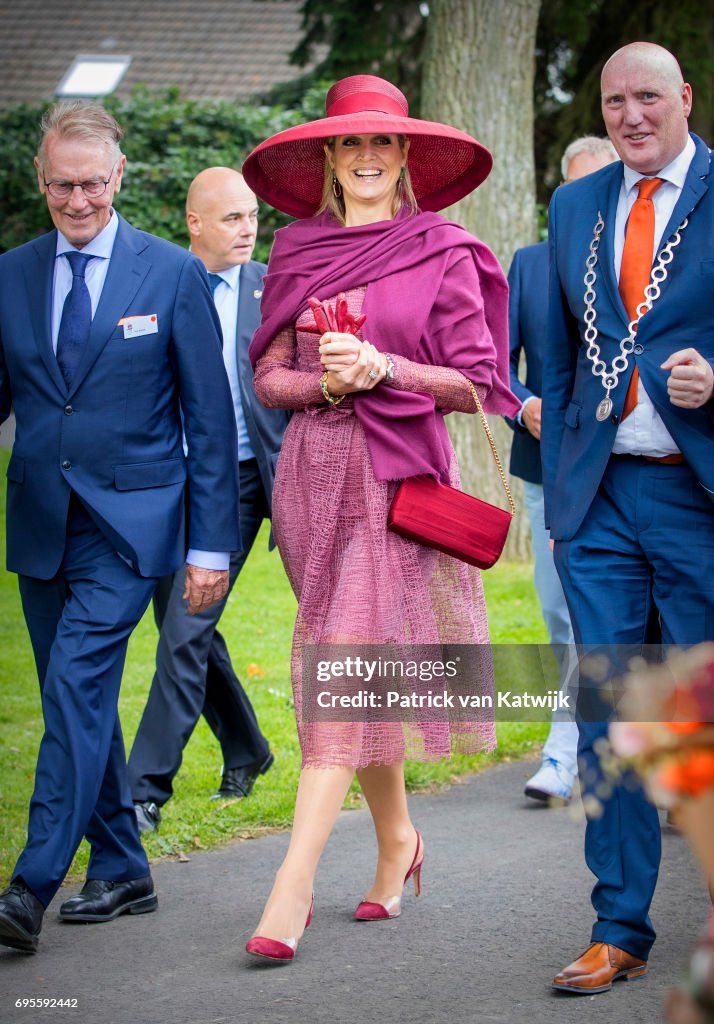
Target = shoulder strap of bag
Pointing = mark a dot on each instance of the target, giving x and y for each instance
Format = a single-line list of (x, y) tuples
[(492, 443)]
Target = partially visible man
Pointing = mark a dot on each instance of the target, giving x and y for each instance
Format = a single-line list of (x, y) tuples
[(628, 426), (194, 674), (108, 342), (528, 326)]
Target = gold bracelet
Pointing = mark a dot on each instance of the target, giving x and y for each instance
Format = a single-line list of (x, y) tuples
[(326, 394)]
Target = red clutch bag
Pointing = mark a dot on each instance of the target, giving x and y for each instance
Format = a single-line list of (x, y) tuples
[(449, 520)]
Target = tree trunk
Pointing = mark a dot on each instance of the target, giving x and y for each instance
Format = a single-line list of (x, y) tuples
[(479, 62)]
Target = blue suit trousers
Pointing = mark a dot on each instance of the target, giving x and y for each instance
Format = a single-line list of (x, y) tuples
[(79, 624), (194, 674), (642, 559)]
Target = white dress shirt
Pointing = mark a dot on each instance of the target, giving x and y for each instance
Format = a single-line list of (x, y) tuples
[(226, 298), (643, 432), (95, 275)]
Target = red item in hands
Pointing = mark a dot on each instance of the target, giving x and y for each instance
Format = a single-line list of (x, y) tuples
[(321, 325), (338, 319), (354, 323), (331, 317)]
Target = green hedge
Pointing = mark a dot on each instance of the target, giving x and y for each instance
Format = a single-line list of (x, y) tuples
[(167, 141)]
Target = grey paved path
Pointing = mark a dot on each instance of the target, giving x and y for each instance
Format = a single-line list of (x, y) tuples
[(504, 906)]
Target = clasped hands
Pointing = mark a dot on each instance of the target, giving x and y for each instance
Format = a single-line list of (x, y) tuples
[(352, 364)]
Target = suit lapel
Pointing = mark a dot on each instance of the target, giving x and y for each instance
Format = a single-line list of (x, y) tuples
[(39, 278), (608, 194), (127, 270), (248, 317), (695, 186)]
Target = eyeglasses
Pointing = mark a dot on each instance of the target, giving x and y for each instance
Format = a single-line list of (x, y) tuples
[(93, 188)]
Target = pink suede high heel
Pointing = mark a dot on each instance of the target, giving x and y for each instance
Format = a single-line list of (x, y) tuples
[(368, 911), (279, 951)]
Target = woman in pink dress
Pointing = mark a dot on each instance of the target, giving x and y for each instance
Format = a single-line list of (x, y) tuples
[(424, 312)]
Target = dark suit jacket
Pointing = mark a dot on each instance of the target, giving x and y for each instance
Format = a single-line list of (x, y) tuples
[(576, 447), (115, 437), (527, 328), (265, 426)]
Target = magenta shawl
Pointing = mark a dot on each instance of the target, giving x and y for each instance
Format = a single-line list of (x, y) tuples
[(404, 263)]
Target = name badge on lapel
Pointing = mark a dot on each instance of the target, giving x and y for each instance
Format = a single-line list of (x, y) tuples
[(137, 326)]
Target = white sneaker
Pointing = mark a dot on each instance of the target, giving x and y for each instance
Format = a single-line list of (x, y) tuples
[(552, 781)]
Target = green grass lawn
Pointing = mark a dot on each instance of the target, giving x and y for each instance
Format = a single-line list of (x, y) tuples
[(257, 625)]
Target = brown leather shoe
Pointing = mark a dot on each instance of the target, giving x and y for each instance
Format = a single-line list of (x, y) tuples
[(597, 968)]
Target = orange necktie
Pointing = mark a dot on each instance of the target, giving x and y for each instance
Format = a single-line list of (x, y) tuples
[(637, 265)]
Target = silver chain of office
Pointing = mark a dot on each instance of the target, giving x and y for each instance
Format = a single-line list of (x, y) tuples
[(620, 363)]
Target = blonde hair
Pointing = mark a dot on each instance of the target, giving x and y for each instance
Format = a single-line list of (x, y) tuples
[(77, 119), (404, 192)]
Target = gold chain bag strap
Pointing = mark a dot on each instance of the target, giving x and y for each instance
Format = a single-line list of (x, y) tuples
[(449, 520)]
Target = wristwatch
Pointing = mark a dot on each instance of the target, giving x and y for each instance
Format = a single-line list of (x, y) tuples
[(389, 374)]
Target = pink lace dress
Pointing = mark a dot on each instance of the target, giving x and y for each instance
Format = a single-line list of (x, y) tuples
[(355, 580)]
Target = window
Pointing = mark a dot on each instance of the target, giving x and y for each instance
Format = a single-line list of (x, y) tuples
[(93, 75)]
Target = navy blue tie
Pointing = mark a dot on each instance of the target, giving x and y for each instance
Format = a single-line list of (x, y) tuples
[(214, 280), (76, 318)]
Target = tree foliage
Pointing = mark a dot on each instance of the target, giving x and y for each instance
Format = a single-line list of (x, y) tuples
[(382, 37), (574, 39), (167, 141), (478, 74)]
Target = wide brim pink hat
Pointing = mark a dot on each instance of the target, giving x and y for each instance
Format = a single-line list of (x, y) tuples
[(445, 164)]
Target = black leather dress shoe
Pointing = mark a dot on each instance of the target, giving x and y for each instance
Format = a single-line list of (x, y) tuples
[(20, 918), (103, 901), (238, 782)]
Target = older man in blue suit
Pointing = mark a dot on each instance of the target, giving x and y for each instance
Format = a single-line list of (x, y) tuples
[(628, 426), (528, 328), (194, 674), (109, 345)]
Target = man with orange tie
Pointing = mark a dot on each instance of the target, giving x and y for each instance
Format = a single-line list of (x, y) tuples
[(628, 426)]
